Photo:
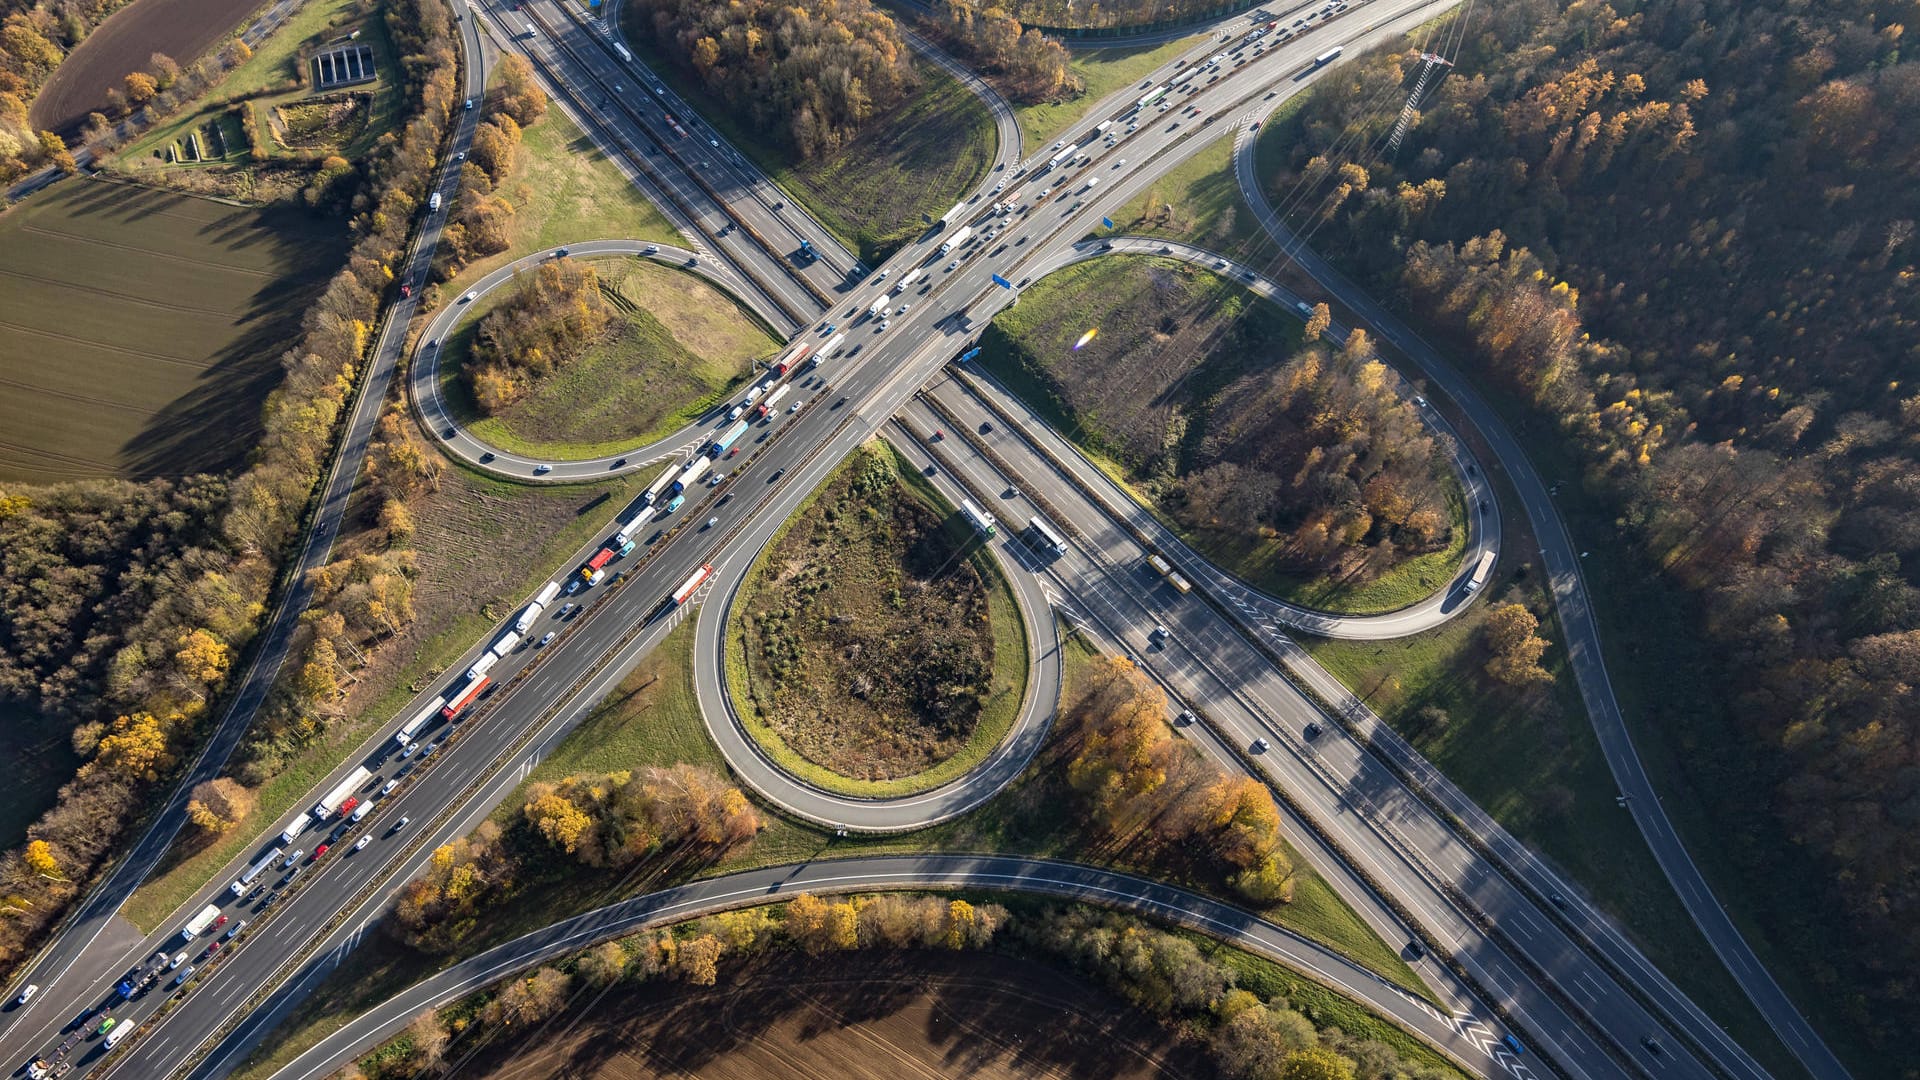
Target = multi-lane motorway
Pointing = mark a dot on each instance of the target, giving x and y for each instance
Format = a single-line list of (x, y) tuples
[(1590, 1021)]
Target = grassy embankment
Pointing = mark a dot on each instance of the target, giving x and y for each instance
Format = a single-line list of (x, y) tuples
[(912, 160), (276, 63), (653, 718), (863, 578), (1171, 337), (565, 190), (677, 348)]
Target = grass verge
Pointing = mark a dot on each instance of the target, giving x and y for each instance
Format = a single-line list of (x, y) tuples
[(678, 348), (1011, 653)]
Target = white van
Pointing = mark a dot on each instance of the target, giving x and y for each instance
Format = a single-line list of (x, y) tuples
[(120, 1029)]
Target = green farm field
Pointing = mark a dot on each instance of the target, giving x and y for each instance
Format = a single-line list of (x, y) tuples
[(135, 323)]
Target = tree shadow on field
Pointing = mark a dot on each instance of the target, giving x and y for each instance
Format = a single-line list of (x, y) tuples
[(215, 424)]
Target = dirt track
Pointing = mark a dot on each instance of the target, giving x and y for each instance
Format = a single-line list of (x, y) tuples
[(182, 29), (858, 1017)]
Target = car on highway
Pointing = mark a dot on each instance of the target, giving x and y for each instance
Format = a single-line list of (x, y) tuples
[(106, 1025), (292, 858), (1260, 746), (1653, 1045), (235, 931), (542, 470), (181, 979), (412, 749), (548, 640), (1513, 1044), (398, 825), (430, 751), (1185, 718), (26, 995), (1160, 633), (219, 922), (178, 959), (1314, 729), (469, 104), (290, 877), (207, 954), (387, 788), (321, 850), (363, 842)]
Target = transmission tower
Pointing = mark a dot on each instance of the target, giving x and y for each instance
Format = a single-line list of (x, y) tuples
[(1429, 63)]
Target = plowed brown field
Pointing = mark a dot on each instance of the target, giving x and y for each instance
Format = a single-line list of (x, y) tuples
[(182, 29), (856, 1017)]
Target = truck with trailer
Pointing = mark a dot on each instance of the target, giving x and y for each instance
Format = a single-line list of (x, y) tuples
[(465, 697), (482, 666), (252, 873), (419, 722), (655, 489), (907, 279), (773, 402), (953, 216), (1049, 542), (953, 241), (198, 924), (791, 357), (596, 567), (826, 350), (725, 442), (1066, 154), (753, 395), (625, 56), (684, 592), (294, 828), (341, 797), (981, 521), (879, 307), (507, 643), (525, 622), (689, 475)]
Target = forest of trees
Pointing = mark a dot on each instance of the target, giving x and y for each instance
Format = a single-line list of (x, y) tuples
[(809, 74), (1028, 65), (139, 598), (1141, 783), (1684, 232), (35, 37), (1323, 452), (551, 319)]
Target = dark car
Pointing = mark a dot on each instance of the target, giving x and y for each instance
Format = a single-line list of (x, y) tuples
[(1314, 729)]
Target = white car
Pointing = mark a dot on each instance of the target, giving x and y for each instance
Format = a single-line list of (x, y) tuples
[(363, 842), (903, 309), (412, 749), (954, 265), (27, 994), (548, 640), (542, 470), (387, 788)]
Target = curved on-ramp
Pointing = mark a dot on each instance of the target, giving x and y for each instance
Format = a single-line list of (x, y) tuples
[(423, 381), (854, 813), (1467, 1043)]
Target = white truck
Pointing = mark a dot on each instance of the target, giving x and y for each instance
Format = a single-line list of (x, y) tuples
[(199, 923), (420, 720), (948, 219), (525, 621), (879, 307), (341, 797), (954, 241), (239, 886), (482, 666), (508, 641), (548, 593), (907, 279), (292, 832)]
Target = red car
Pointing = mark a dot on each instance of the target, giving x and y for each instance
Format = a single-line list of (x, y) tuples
[(321, 850), (406, 291), (219, 922)]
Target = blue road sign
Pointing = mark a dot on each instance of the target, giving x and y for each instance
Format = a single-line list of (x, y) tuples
[(968, 355), (1107, 221), (1002, 282)]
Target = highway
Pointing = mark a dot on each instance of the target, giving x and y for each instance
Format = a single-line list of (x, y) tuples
[(1493, 928)]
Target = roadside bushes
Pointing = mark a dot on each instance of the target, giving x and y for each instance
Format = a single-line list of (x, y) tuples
[(1031, 66), (808, 73), (549, 321), (618, 818), (1141, 783)]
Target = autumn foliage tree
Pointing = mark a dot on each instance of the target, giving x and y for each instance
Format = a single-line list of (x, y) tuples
[(216, 806), (550, 319), (1514, 648), (617, 818), (1140, 782), (1029, 65), (809, 74), (443, 904)]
